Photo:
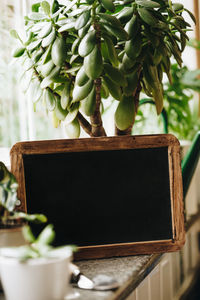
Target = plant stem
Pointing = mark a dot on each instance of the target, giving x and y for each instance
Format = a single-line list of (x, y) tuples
[(84, 124), (96, 120)]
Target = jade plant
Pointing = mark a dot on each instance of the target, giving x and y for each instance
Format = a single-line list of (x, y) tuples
[(78, 53), (9, 200)]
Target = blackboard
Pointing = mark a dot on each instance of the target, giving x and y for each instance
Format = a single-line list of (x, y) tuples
[(109, 196)]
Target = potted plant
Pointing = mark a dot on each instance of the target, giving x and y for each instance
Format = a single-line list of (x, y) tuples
[(79, 53), (11, 221), (36, 270)]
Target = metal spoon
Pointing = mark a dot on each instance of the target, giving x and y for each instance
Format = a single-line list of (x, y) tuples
[(100, 282)]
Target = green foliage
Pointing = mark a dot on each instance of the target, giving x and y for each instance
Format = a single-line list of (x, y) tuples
[(101, 45), (183, 120), (9, 199), (37, 247), (8, 189), (182, 114)]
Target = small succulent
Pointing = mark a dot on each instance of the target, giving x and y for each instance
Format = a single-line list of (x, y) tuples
[(37, 247), (9, 200), (78, 53)]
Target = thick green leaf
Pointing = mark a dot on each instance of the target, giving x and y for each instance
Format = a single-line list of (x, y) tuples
[(148, 3), (15, 35), (115, 75), (191, 15), (34, 45), (147, 16), (125, 113), (37, 55), (46, 56), (132, 27), (46, 30), (49, 79), (112, 54), (82, 20), (75, 46), (108, 4), (59, 51), (18, 52), (113, 88), (47, 236), (49, 100), (133, 47), (109, 19), (88, 105), (118, 32), (46, 7), (65, 96), (56, 122), (28, 235), (81, 92), (132, 80), (36, 16), (93, 64), (177, 6), (73, 111), (66, 27), (125, 14), (35, 90), (47, 68), (84, 30), (73, 129), (87, 44), (35, 7), (59, 111), (49, 39), (81, 77)]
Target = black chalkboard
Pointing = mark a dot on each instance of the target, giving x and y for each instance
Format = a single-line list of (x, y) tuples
[(102, 197)]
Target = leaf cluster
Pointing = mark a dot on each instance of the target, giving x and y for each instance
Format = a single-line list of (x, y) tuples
[(9, 200), (183, 121), (37, 246), (181, 115), (126, 44)]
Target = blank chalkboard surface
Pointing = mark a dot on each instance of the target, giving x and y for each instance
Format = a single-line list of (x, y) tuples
[(110, 196)]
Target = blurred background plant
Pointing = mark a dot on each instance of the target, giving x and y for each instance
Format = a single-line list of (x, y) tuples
[(9, 201), (179, 103)]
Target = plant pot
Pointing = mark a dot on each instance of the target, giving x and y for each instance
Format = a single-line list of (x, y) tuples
[(35, 279), (11, 237)]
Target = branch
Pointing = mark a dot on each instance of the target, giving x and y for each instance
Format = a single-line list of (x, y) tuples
[(96, 120), (84, 124)]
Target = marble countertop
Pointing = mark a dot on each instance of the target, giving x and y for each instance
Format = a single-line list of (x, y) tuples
[(128, 271)]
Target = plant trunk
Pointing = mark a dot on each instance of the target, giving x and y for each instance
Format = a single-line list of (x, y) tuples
[(96, 121)]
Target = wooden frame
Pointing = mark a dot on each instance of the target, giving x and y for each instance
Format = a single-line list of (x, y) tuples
[(114, 143)]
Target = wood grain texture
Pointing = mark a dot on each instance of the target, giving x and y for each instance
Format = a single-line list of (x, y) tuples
[(114, 143)]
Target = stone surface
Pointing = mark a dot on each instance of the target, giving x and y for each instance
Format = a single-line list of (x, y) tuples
[(128, 271)]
